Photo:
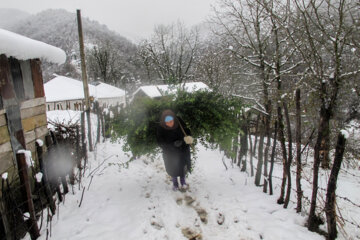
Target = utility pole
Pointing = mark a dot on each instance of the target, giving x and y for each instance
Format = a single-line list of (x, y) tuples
[(84, 78)]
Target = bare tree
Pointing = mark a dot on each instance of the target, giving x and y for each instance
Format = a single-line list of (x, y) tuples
[(170, 53), (330, 208), (324, 43), (244, 28)]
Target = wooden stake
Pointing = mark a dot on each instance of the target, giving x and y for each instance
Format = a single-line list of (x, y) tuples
[(24, 180), (84, 78), (45, 181)]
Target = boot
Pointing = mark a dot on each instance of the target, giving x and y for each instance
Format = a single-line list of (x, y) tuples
[(175, 184), (184, 186)]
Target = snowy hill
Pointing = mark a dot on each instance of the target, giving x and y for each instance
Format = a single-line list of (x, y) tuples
[(9, 17), (58, 27)]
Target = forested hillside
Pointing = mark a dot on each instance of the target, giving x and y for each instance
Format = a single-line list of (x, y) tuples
[(59, 28)]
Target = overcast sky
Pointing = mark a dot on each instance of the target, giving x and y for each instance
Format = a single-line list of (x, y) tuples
[(133, 19)]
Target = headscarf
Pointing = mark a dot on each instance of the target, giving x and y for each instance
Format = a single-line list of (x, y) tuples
[(165, 114)]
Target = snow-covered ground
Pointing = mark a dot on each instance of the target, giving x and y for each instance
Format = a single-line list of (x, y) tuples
[(135, 201)]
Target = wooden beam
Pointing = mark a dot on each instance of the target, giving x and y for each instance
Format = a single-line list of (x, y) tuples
[(40, 132), (6, 86), (32, 103), (36, 72), (6, 160), (29, 136), (27, 79), (17, 79), (2, 120), (5, 147), (4, 134), (30, 112), (34, 122)]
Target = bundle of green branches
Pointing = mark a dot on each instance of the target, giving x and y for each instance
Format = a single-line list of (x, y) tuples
[(212, 118)]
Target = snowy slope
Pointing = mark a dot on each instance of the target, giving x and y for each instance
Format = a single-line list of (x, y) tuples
[(135, 201)]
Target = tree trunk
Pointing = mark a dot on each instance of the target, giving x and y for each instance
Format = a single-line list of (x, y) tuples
[(289, 161), (298, 152), (267, 146), (266, 160), (235, 149), (313, 221), (284, 155), (325, 147), (330, 194), (243, 145), (256, 134), (251, 156), (272, 158), (260, 155)]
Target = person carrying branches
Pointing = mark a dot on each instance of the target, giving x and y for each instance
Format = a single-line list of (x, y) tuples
[(174, 138)]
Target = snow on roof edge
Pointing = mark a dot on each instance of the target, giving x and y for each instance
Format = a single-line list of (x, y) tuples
[(24, 48)]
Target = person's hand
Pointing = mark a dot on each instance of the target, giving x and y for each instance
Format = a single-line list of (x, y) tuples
[(188, 140), (178, 143)]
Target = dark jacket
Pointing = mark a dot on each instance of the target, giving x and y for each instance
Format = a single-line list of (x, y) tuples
[(176, 152)]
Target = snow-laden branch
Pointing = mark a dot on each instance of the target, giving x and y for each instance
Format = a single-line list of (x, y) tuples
[(262, 108)]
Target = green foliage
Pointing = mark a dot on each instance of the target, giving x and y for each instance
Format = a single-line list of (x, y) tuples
[(212, 119)]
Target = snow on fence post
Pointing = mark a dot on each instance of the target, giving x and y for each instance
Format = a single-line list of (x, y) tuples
[(26, 191)]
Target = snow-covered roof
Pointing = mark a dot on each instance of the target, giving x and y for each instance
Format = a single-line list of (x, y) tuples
[(63, 88), (104, 90), (151, 91), (161, 90), (23, 48)]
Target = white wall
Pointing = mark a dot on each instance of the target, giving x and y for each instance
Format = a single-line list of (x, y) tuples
[(71, 104)]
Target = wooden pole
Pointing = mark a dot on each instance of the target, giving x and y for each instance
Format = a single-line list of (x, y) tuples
[(24, 180), (84, 78), (5, 220), (45, 181)]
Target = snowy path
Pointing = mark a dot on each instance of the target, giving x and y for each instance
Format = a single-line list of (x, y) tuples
[(137, 203)]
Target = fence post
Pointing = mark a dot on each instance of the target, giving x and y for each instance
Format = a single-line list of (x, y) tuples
[(24, 180), (45, 180), (102, 123), (50, 142), (6, 225), (97, 108), (83, 140)]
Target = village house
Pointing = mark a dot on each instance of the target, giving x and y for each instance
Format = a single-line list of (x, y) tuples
[(63, 93), (158, 91)]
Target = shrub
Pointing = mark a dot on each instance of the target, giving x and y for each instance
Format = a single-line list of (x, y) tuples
[(212, 118)]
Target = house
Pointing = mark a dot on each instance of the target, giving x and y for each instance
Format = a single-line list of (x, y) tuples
[(108, 95), (67, 93), (22, 97), (157, 91)]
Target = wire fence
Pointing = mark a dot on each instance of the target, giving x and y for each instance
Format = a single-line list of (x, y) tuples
[(32, 187)]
